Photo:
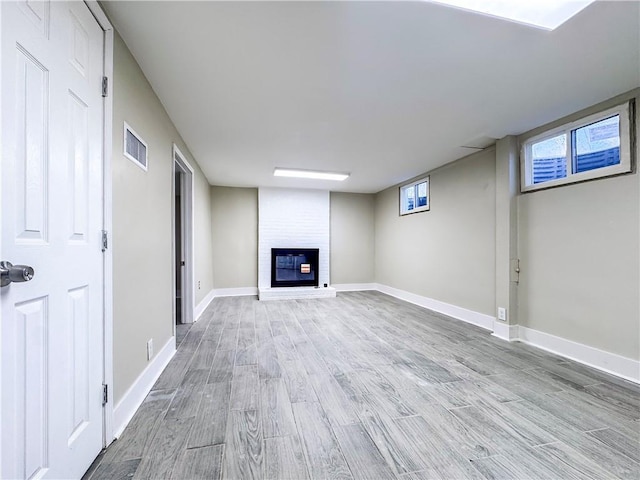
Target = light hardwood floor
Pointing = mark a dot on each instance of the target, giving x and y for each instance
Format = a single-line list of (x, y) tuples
[(366, 386)]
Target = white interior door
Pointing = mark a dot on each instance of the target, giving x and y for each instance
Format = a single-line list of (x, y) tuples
[(51, 328)]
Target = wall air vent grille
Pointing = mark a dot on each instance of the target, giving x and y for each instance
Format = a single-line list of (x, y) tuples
[(135, 149)]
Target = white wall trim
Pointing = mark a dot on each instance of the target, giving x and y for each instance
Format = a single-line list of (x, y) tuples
[(505, 331), (617, 365), (222, 292), (204, 303), (188, 218), (476, 318), (294, 293), (354, 287), (235, 292), (612, 363), (107, 222), (133, 398)]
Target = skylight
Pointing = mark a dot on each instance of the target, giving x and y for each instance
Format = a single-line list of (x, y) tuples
[(315, 174), (547, 14)]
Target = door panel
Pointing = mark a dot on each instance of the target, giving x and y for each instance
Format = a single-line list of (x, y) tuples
[(38, 13), (31, 382), (79, 407), (51, 328), (32, 125), (78, 169)]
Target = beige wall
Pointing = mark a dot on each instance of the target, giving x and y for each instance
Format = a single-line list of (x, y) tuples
[(447, 253), (352, 238), (142, 216), (579, 247), (234, 213), (234, 236), (203, 247)]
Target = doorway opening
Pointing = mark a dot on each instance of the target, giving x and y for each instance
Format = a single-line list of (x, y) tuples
[(183, 239), (179, 255)]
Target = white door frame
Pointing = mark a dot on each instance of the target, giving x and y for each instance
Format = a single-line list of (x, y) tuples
[(1, 235), (103, 21), (187, 200)]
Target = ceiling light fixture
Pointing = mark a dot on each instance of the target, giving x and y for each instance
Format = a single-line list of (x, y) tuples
[(315, 174), (547, 14)]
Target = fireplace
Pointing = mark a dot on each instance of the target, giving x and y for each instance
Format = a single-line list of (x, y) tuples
[(294, 267)]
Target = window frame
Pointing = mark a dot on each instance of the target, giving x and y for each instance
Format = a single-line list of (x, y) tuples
[(624, 112), (414, 185)]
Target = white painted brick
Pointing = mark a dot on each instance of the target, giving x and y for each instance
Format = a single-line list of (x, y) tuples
[(291, 218)]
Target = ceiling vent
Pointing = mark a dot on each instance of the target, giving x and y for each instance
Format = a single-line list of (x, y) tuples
[(135, 149)]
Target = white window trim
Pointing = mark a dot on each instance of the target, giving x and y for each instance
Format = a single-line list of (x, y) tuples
[(144, 167), (424, 208), (526, 167)]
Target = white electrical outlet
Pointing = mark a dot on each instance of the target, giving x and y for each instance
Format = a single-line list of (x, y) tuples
[(502, 314), (150, 349)]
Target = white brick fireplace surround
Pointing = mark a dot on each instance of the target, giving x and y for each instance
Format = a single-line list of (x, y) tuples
[(292, 218)]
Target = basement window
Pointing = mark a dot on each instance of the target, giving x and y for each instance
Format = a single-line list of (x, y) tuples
[(135, 149), (414, 197), (593, 147)]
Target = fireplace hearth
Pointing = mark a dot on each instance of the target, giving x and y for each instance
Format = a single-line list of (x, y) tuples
[(294, 267)]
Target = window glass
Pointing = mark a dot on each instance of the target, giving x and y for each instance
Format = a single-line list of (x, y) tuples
[(549, 159), (409, 199), (422, 194), (596, 145)]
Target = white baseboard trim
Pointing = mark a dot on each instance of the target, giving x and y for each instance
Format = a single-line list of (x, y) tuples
[(293, 293), (479, 319), (133, 398), (617, 365), (235, 292), (202, 306), (354, 287), (505, 331)]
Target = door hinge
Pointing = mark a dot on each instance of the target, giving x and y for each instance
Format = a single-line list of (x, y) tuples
[(105, 393), (516, 271), (105, 86), (105, 240)]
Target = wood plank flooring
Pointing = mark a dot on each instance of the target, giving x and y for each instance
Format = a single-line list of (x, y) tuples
[(365, 386)]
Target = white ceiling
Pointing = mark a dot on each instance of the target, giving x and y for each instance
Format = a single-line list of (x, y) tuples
[(384, 90)]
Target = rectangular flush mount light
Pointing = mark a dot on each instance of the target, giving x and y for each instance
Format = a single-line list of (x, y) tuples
[(315, 174), (548, 14)]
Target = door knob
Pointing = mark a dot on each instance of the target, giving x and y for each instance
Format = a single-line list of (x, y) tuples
[(14, 273)]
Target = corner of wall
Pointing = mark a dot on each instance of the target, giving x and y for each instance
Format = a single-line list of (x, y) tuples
[(134, 396)]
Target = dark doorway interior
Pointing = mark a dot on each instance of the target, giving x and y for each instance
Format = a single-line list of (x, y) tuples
[(179, 235)]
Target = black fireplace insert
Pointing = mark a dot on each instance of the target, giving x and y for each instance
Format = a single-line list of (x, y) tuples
[(294, 267)]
